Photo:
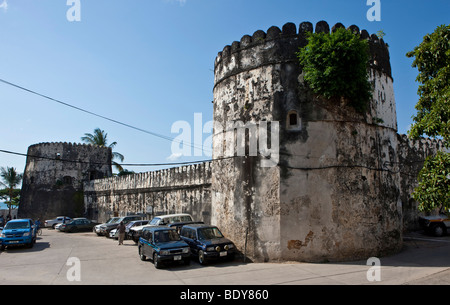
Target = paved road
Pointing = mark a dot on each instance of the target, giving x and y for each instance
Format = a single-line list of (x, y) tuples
[(424, 260)]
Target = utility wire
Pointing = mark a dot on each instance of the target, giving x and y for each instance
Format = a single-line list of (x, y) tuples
[(98, 115), (218, 159), (101, 163)]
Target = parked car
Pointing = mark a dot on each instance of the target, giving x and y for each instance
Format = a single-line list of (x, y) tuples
[(77, 224), (437, 225), (106, 228), (18, 232), (207, 242), (162, 220), (53, 222), (163, 244), (135, 223), (96, 228), (179, 225)]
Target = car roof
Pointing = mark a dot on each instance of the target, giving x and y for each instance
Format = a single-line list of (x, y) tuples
[(198, 225), (158, 228), (172, 215), (19, 220)]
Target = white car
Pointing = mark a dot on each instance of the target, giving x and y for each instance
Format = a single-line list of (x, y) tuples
[(112, 234), (163, 220), (53, 222), (132, 224)]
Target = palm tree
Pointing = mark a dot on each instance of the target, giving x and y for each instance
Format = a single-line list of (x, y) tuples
[(99, 138), (10, 179)]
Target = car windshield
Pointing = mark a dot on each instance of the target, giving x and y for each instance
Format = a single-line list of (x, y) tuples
[(17, 225), (185, 218), (155, 221), (209, 233), (166, 236), (113, 220)]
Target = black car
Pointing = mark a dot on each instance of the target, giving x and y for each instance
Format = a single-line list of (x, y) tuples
[(77, 225), (207, 242), (107, 227), (163, 244)]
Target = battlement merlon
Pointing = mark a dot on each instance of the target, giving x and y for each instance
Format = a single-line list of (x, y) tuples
[(280, 46)]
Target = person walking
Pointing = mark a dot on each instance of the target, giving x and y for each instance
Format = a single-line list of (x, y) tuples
[(121, 229)]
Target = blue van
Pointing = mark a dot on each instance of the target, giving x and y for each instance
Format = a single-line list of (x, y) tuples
[(18, 232)]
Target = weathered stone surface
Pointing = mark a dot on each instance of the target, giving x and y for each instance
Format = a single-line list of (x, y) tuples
[(322, 27), (54, 175), (411, 156), (176, 190), (329, 198)]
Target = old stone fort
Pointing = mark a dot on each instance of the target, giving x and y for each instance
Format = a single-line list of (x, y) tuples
[(340, 189)]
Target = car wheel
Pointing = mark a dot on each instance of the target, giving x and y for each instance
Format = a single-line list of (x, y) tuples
[(201, 257), (156, 261), (54, 226), (141, 254), (438, 230)]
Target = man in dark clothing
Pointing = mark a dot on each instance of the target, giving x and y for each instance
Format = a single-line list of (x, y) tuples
[(121, 229)]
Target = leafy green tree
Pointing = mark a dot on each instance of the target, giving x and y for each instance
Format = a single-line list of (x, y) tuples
[(433, 191), (336, 65), (432, 59), (10, 179), (381, 34), (100, 138)]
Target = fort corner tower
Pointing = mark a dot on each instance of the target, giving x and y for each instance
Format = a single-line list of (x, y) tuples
[(53, 179), (331, 195)]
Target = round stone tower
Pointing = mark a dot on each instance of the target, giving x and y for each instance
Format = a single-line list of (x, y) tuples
[(316, 187), (53, 178)]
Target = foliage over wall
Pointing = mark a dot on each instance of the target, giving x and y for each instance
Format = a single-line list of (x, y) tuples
[(335, 66)]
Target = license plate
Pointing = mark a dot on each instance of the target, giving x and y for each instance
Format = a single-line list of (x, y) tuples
[(223, 253), (177, 258), (14, 242)]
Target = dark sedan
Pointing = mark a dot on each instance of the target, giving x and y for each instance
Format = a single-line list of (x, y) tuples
[(207, 242), (78, 224)]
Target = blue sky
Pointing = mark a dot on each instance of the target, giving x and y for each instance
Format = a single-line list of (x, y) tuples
[(149, 63)]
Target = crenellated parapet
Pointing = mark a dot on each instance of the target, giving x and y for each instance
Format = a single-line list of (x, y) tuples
[(280, 45), (54, 174)]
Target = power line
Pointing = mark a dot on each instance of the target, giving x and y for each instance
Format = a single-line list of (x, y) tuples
[(101, 163), (335, 166), (99, 115)]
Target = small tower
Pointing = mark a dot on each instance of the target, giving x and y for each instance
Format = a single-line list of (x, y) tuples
[(329, 195), (53, 178)]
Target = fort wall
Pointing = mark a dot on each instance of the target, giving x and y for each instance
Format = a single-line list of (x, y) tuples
[(176, 190), (411, 157)]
